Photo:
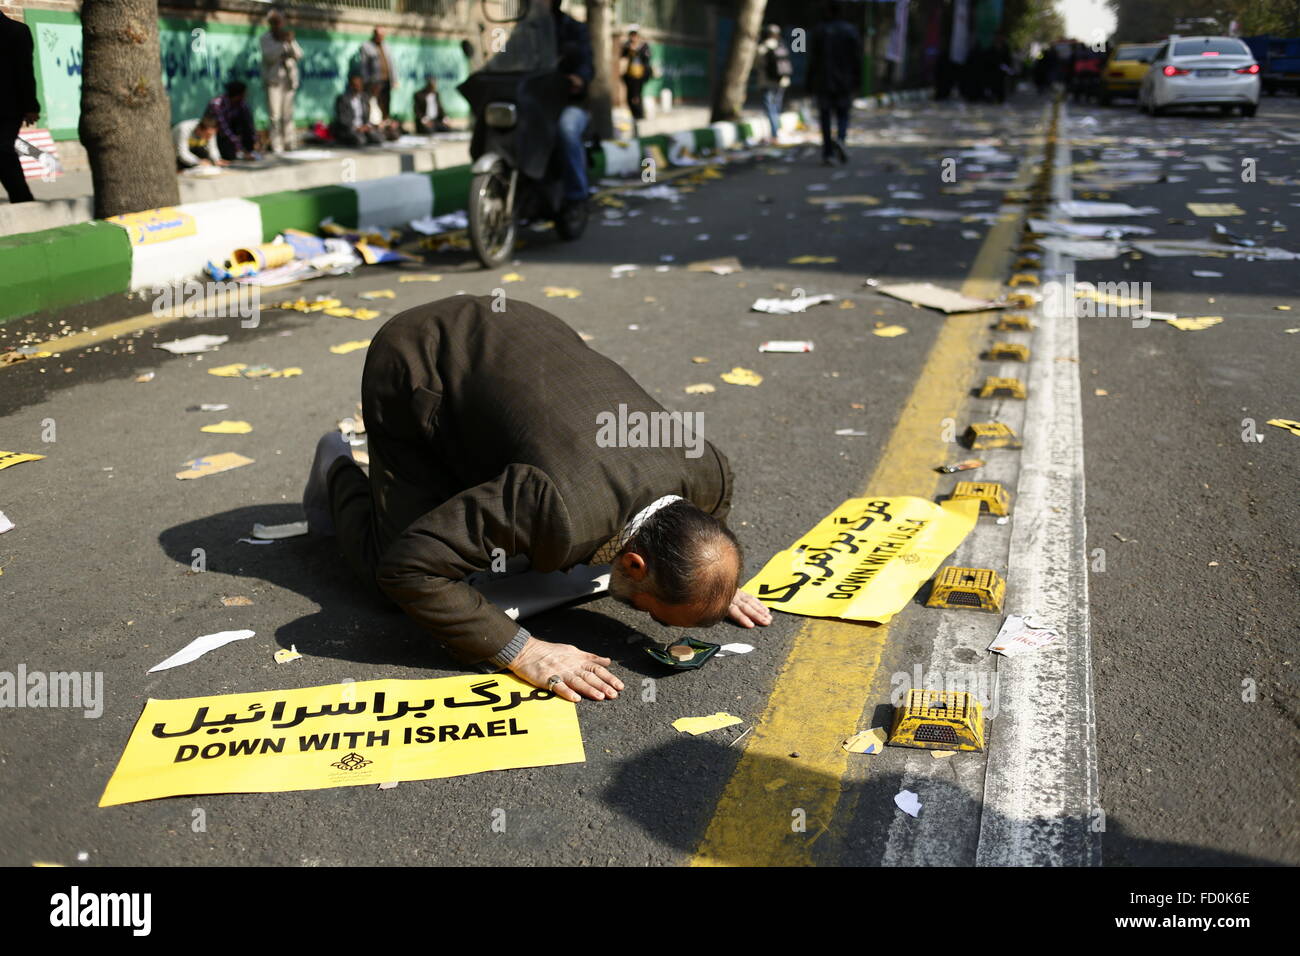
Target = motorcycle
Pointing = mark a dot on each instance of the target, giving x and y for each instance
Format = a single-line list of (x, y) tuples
[(517, 163)]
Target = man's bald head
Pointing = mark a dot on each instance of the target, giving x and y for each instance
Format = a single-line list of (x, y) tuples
[(683, 567)]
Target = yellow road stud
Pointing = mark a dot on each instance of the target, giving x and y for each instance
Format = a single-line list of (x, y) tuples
[(939, 720), (981, 435), (990, 493), (994, 387), (975, 589), (1014, 322), (1010, 351)]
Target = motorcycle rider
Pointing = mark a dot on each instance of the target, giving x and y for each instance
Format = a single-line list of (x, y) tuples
[(574, 46)]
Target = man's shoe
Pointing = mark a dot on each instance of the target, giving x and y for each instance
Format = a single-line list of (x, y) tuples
[(841, 153), (316, 496)]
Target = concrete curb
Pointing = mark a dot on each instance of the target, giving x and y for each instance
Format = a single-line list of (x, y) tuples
[(67, 265)]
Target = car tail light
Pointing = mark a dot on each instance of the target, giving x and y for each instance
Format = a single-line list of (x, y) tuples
[(1252, 69), (1174, 71)]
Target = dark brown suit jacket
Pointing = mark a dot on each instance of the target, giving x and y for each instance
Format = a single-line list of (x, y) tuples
[(495, 414)]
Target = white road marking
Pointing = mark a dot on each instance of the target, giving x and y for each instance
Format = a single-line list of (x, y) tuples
[(1041, 790)]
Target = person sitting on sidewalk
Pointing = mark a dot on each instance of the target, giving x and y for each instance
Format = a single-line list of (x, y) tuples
[(196, 145), (389, 129), (429, 114), (236, 136), (351, 126)]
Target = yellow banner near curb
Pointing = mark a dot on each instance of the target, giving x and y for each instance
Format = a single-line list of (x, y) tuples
[(866, 559), (343, 735)]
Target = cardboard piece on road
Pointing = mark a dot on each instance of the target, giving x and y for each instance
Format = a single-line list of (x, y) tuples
[(742, 376), (1215, 209), (933, 297), (200, 646), (866, 741), (722, 267), (342, 735), (228, 428), (193, 344), (275, 531), (10, 458), (1292, 427), (866, 559), (702, 725), (213, 464), (1018, 635)]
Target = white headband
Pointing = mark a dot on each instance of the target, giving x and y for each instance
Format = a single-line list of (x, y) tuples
[(632, 527)]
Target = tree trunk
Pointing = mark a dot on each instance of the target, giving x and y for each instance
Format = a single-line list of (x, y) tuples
[(600, 96), (125, 114), (731, 94)]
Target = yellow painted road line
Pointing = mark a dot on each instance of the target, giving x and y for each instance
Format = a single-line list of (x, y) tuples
[(820, 693), (213, 306)]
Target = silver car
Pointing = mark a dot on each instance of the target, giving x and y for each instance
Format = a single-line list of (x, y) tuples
[(1201, 71)]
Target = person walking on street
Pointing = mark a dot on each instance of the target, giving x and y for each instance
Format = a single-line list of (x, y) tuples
[(377, 67), (280, 57), (775, 70), (637, 71), (834, 76), (18, 105), (236, 136)]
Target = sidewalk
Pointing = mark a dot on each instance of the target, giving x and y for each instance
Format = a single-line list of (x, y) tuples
[(69, 200)]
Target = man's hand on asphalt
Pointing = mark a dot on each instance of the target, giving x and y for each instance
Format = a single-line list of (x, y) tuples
[(581, 674), (747, 610)]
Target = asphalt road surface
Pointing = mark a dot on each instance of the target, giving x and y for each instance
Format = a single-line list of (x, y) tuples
[(1185, 581)]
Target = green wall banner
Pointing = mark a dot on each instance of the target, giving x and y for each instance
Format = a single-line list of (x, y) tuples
[(199, 58), (682, 69)]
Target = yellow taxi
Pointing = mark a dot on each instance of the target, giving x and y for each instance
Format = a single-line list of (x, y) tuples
[(1122, 75)]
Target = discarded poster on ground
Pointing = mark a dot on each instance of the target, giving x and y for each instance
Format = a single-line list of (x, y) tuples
[(1018, 635), (702, 725), (193, 344), (799, 303), (11, 458), (200, 646), (866, 559), (342, 735), (213, 464)]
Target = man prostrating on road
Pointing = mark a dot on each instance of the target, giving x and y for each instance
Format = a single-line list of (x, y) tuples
[(482, 428)]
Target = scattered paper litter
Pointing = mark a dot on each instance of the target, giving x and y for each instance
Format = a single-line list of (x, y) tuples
[(789, 306), (702, 725), (786, 346), (1215, 209), (1088, 230), (811, 260), (213, 464), (1206, 274), (237, 601), (211, 407), (7, 525), (432, 225), (379, 294), (889, 331), (559, 292), (228, 428), (343, 348), (908, 802), (1018, 635), (1195, 324), (1292, 427), (742, 376), (275, 531), (200, 646), (240, 370), (283, 657), (193, 344), (703, 388), (850, 432), (866, 741), (10, 458), (726, 649), (145, 377), (389, 785), (724, 266), (1081, 248), (1080, 209), (427, 277), (935, 297)]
